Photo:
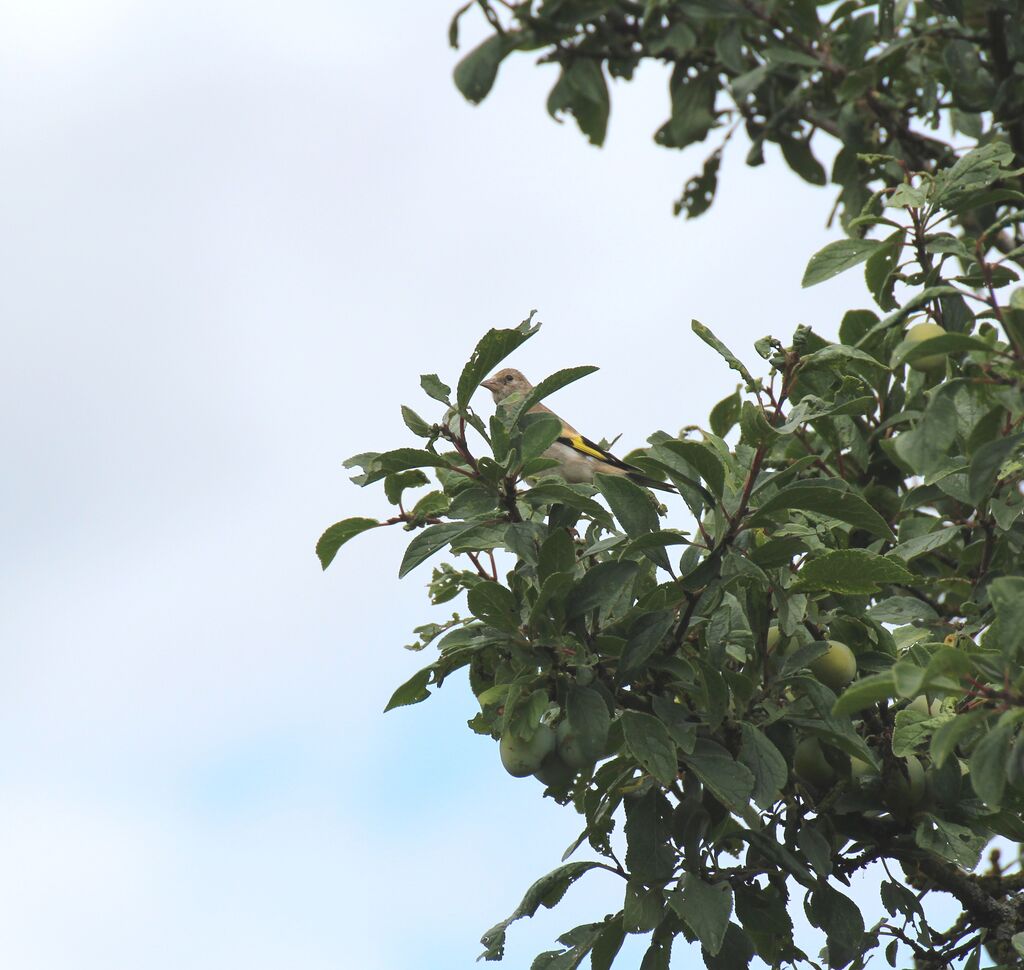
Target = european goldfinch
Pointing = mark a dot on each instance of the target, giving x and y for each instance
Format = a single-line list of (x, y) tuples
[(579, 459)]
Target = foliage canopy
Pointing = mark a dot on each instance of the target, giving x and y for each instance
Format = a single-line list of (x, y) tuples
[(820, 665), (884, 78)]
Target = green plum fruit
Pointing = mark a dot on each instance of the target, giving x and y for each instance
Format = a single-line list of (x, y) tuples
[(810, 764), (523, 757), (554, 772), (569, 746), (925, 331), (835, 668)]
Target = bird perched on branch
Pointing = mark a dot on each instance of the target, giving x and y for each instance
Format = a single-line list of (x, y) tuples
[(579, 459)]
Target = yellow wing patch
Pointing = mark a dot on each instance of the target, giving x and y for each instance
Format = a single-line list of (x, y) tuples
[(587, 447)]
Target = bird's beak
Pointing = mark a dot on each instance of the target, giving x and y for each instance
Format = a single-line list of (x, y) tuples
[(491, 384)]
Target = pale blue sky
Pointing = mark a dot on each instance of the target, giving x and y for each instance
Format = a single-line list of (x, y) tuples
[(234, 234)]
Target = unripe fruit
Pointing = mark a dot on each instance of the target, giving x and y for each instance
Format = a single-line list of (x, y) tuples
[(568, 746), (916, 777), (836, 668), (810, 764), (925, 331), (554, 772), (922, 705), (903, 793), (521, 758), (860, 769)]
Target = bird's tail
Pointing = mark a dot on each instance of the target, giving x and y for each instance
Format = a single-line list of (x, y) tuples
[(652, 483)]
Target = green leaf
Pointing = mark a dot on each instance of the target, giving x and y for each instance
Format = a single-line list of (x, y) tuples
[(754, 427), (494, 604), (673, 716), (582, 91), (799, 658), (399, 460), (653, 542), (850, 571), (800, 158), (901, 609), (337, 535), (703, 458), (1007, 597), (578, 942), (429, 541), (557, 554), (985, 465), (546, 891), (693, 107), (957, 843), (730, 782), (855, 324), (412, 691), (736, 953), (730, 358), (778, 552), (705, 908), (599, 585), (879, 269), (836, 257), (608, 944), (589, 719), (947, 343), (630, 503), (988, 764), (725, 414), (699, 190), (648, 741), (415, 423), (864, 692), (435, 388), (766, 764), (492, 349), (920, 545), (646, 635), (474, 75), (947, 737), (817, 848), (975, 170), (539, 435), (548, 386), (453, 25), (842, 355), (840, 918), (925, 447), (649, 856), (912, 729), (812, 408), (836, 503), (431, 504), (549, 493), (780, 855)]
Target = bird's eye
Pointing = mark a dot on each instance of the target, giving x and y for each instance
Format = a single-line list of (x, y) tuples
[(508, 378)]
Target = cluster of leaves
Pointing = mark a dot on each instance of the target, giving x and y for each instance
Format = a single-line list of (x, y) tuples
[(878, 75), (871, 497)]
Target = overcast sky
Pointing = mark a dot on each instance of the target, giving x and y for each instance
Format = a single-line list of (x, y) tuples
[(233, 235)]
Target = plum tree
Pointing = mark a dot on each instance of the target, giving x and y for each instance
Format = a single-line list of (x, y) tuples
[(842, 495)]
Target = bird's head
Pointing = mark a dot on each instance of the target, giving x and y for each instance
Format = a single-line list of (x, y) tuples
[(505, 383)]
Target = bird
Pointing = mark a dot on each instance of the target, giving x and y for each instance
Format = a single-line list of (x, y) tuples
[(579, 459)]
